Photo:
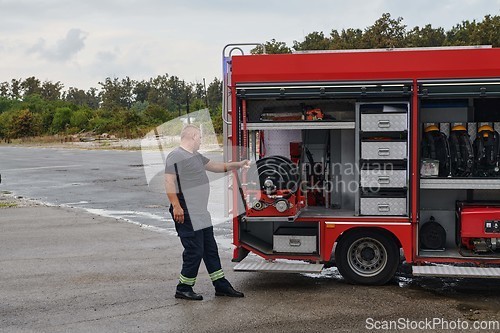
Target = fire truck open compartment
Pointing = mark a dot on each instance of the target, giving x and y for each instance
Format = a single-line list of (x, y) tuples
[(447, 104), (321, 148)]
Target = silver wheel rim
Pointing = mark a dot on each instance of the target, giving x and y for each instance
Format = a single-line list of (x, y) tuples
[(367, 257)]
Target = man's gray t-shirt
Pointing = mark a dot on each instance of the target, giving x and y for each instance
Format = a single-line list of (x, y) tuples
[(194, 184)]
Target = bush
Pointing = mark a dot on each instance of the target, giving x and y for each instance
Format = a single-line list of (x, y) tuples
[(80, 118), (24, 124), (62, 118), (99, 124)]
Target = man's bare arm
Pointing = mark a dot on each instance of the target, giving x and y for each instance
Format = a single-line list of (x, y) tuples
[(224, 167), (174, 199)]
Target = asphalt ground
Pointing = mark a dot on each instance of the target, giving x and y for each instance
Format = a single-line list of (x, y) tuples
[(65, 270)]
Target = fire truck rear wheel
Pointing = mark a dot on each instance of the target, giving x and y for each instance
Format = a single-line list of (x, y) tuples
[(367, 257)]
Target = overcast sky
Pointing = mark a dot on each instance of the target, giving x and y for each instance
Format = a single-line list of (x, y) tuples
[(82, 42)]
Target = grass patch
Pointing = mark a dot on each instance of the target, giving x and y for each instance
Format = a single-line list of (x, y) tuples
[(8, 204)]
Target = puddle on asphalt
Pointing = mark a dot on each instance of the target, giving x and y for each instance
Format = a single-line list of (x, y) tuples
[(326, 273), (461, 288), (453, 286)]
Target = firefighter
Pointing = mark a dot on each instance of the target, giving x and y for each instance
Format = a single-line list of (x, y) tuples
[(188, 189)]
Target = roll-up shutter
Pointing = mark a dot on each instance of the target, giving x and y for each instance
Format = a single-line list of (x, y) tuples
[(459, 88), (324, 90)]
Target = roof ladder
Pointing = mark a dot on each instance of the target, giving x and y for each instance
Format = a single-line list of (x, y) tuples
[(227, 111)]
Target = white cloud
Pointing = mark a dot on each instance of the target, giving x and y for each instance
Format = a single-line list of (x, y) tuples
[(63, 50)]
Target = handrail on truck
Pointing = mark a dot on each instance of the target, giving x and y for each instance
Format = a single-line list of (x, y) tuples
[(225, 72)]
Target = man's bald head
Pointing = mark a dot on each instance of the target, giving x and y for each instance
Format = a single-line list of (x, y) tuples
[(191, 138), (189, 131)]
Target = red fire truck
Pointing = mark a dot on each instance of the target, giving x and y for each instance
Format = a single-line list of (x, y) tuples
[(365, 159)]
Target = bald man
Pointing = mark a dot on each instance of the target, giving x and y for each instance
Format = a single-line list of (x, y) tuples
[(188, 190)]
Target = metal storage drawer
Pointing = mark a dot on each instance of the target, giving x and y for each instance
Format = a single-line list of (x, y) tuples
[(383, 122), (383, 206), (295, 240), (383, 178), (384, 150)]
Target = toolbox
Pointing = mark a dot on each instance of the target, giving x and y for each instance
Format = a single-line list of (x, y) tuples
[(295, 240)]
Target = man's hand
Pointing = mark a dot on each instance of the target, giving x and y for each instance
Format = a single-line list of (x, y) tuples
[(178, 214), (244, 164)]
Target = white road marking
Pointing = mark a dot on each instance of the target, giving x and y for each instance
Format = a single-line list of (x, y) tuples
[(47, 167)]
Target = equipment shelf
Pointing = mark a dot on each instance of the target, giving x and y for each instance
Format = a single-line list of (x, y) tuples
[(317, 125), (460, 183)]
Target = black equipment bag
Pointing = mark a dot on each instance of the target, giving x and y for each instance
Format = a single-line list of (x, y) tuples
[(435, 146), (462, 156), (486, 153)]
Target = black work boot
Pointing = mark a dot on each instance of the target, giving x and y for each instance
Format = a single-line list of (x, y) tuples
[(224, 288), (184, 291)]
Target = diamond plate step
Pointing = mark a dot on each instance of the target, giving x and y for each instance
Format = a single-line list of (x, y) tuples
[(452, 271), (280, 267)]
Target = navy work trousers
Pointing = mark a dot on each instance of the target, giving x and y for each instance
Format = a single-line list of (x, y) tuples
[(201, 246)]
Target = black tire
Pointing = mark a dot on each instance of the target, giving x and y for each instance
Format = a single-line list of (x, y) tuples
[(367, 257)]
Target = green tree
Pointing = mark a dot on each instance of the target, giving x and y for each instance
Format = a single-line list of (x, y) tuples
[(313, 41), (386, 32), (127, 87), (31, 86), (199, 91), (15, 88), (489, 31), (141, 90), (4, 89), (159, 92), (425, 37), (35, 103), (156, 115), (272, 47), (462, 34), (62, 118), (214, 93), (93, 99), (486, 32), (347, 39), (51, 91), (215, 114), (76, 96), (6, 104), (116, 94), (80, 97), (176, 88)]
